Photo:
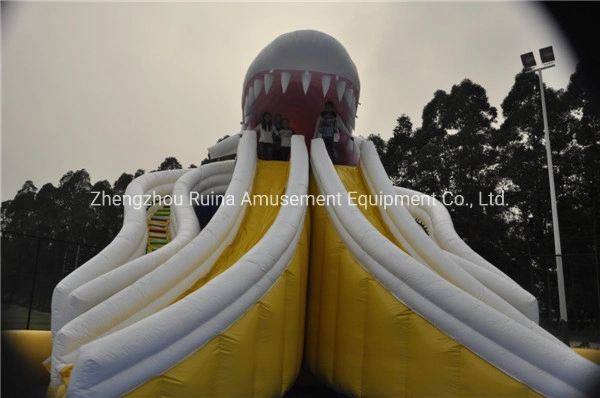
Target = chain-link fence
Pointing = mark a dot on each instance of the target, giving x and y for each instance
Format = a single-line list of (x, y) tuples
[(31, 267)]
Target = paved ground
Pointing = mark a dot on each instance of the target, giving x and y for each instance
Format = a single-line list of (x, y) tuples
[(307, 386), (577, 344)]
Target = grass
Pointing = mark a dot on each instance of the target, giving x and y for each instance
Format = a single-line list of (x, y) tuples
[(14, 317)]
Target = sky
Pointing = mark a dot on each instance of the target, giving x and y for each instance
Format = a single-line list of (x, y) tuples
[(114, 87)]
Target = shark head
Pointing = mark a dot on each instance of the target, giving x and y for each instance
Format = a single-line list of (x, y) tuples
[(295, 75)]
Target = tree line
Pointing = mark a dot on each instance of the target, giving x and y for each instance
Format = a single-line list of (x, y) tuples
[(48, 232), (462, 149)]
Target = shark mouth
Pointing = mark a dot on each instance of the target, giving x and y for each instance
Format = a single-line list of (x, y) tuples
[(295, 75)]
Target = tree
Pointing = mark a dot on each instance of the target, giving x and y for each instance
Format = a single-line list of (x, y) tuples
[(122, 183), (452, 155), (170, 163), (397, 153), (525, 162), (75, 198), (581, 169), (19, 214), (401, 146), (54, 230)]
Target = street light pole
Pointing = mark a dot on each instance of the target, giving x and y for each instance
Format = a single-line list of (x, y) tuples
[(529, 62), (562, 301)]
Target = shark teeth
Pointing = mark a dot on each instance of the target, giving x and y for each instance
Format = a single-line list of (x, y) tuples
[(251, 96), (306, 81), (344, 90), (268, 82), (325, 83), (340, 86), (258, 85), (285, 80)]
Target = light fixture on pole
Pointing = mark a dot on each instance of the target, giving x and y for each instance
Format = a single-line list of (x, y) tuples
[(528, 60)]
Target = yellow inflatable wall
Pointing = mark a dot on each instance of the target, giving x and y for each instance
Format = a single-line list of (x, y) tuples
[(262, 351), (364, 342)]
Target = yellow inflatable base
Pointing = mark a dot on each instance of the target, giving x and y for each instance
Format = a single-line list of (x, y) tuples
[(589, 354), (23, 354)]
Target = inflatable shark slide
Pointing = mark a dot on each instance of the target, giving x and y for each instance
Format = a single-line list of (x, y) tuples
[(305, 265)]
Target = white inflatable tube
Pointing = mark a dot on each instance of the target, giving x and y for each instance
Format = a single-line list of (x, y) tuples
[(435, 216), (119, 362), (551, 368), (442, 231), (159, 288), (211, 176), (225, 147), (71, 311), (486, 286), (123, 248)]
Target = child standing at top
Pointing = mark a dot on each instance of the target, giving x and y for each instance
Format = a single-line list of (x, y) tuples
[(286, 138), (265, 141), (276, 136), (327, 129)]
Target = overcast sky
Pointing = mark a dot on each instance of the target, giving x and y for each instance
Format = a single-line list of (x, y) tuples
[(114, 87)]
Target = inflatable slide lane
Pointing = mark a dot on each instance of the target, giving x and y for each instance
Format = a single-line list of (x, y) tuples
[(394, 312), (216, 312)]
